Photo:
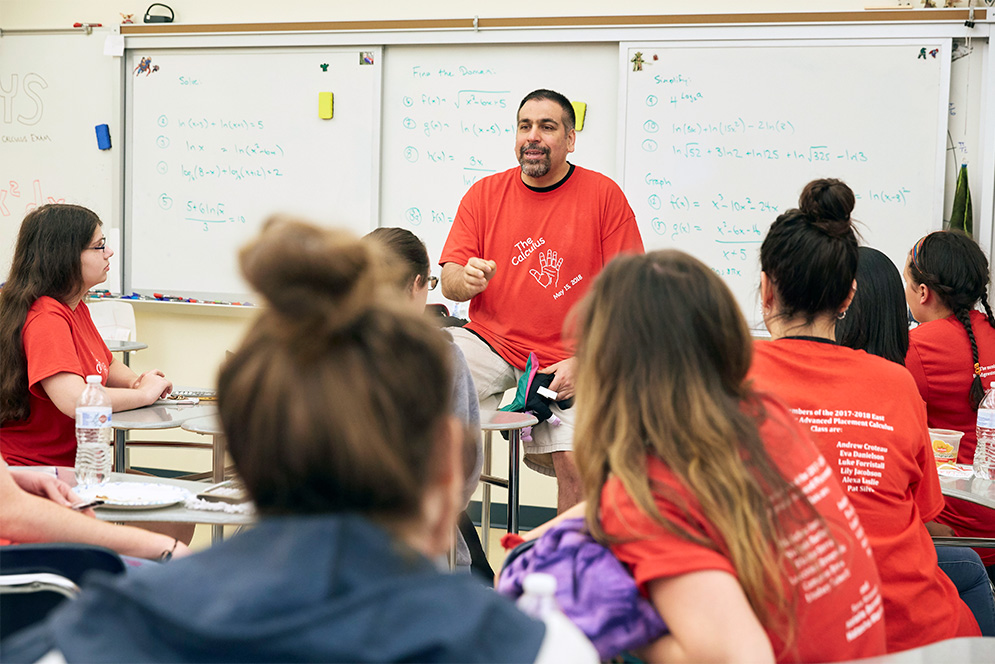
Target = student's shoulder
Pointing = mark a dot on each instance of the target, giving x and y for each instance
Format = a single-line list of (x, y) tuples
[(46, 308)]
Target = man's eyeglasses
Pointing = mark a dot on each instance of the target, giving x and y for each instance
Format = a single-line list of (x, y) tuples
[(433, 282)]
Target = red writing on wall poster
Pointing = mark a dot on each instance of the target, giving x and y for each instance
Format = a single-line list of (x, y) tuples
[(11, 197)]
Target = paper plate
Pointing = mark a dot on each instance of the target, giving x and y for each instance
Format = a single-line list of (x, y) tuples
[(132, 495)]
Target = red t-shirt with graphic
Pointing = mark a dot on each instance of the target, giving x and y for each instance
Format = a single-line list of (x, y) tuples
[(866, 417), (56, 339), (838, 612), (940, 360), (548, 245)]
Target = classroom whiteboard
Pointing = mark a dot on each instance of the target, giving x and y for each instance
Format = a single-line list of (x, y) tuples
[(220, 139), (54, 90), (718, 139), (449, 120)]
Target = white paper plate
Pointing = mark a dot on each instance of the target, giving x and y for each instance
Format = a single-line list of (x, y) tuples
[(133, 495)]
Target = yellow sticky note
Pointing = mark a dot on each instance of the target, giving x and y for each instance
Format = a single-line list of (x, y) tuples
[(580, 110), (325, 105)]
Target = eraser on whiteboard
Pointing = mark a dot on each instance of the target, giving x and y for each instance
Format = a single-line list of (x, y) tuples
[(580, 110), (103, 137), (325, 105)]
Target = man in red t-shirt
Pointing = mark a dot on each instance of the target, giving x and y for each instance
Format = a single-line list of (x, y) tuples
[(524, 247)]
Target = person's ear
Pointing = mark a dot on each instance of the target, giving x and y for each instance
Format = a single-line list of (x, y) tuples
[(849, 298), (766, 293)]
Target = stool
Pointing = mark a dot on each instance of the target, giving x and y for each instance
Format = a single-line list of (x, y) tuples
[(513, 423)]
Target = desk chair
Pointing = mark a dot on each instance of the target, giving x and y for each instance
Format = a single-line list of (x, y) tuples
[(513, 423), (115, 321), (36, 578)]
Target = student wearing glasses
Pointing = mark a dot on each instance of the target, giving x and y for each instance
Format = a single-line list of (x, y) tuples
[(49, 344)]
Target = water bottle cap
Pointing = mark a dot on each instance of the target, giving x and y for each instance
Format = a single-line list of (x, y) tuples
[(539, 584), (92, 379)]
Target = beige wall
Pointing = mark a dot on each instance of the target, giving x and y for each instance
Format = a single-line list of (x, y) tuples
[(63, 13)]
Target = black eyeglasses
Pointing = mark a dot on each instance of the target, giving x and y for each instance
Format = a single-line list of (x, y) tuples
[(100, 247), (433, 282)]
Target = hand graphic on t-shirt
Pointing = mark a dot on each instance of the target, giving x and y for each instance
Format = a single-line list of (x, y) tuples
[(549, 269)]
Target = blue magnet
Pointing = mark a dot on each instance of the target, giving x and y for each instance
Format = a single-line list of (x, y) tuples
[(103, 137)]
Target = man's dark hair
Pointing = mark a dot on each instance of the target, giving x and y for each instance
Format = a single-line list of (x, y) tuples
[(569, 119)]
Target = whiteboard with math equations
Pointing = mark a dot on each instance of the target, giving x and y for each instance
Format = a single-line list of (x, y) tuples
[(221, 139), (719, 138)]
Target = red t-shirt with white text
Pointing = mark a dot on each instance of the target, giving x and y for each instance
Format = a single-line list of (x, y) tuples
[(548, 245), (865, 416), (838, 612), (56, 339), (940, 360)]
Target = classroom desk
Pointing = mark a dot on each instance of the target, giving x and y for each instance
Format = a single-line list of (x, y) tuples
[(211, 425), (152, 417), (175, 513), (971, 489), (125, 347)]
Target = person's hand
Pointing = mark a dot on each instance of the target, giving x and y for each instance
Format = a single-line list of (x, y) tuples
[(153, 385), (563, 381), (477, 273), (46, 486)]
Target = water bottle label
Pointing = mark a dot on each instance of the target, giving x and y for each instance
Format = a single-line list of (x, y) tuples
[(93, 417)]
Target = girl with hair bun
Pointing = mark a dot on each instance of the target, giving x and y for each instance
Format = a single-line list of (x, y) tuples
[(49, 344), (952, 353), (715, 498), (336, 410), (863, 411)]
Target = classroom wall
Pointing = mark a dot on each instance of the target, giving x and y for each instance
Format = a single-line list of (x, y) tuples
[(61, 13), (188, 343)]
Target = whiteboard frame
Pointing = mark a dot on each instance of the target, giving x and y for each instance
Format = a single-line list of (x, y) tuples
[(721, 34)]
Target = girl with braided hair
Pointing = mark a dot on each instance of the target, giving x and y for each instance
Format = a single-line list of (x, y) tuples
[(864, 412), (952, 353)]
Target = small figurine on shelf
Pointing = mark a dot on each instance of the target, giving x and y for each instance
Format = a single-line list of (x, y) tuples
[(127, 19)]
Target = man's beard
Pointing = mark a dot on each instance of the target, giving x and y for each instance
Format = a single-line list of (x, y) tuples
[(533, 168)]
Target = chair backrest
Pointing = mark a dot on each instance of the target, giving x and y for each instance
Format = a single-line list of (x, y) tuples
[(114, 320), (38, 577)]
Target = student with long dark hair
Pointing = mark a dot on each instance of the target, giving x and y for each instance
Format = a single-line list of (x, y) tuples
[(728, 517), (877, 321), (48, 343), (863, 411), (952, 354), (336, 410)]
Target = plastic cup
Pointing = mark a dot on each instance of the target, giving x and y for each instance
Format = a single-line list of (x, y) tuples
[(945, 443)]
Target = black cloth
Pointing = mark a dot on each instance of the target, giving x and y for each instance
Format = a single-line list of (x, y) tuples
[(322, 589)]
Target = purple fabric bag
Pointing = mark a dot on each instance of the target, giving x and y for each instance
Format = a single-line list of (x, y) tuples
[(594, 589)]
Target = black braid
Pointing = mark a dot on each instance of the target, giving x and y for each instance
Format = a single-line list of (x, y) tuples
[(977, 392), (988, 310)]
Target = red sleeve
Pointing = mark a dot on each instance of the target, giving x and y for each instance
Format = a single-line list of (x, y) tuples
[(913, 362), (926, 492), (463, 242), (49, 349), (648, 549), (621, 231)]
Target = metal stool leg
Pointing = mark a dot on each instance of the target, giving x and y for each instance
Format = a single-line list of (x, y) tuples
[(485, 502), (514, 452)]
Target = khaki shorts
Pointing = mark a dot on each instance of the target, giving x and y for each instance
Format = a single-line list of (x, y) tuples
[(493, 376)]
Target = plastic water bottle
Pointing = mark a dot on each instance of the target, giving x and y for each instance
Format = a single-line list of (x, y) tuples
[(94, 453), (984, 453), (539, 597)]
